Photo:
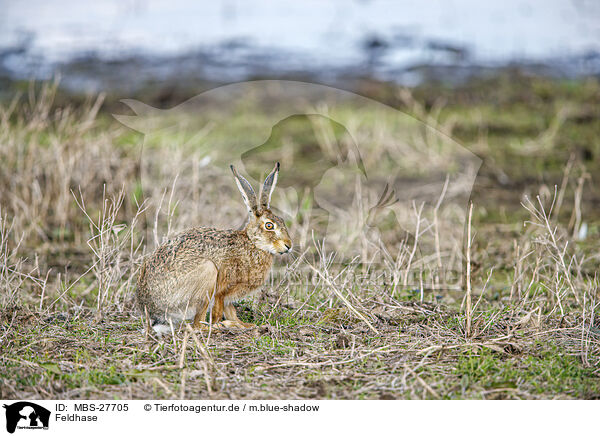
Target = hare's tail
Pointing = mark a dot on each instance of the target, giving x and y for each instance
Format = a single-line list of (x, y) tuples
[(166, 322), (160, 327)]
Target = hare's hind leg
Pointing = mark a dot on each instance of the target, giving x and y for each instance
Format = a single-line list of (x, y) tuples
[(216, 315), (232, 318), (207, 276), (201, 315), (217, 309)]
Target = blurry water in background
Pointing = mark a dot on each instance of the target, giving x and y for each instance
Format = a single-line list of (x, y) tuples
[(228, 40)]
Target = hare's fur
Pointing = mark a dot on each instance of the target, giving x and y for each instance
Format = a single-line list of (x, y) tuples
[(205, 268)]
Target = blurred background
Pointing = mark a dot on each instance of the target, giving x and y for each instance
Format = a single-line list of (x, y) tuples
[(129, 46)]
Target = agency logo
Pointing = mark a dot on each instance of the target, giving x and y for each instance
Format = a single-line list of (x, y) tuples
[(26, 415)]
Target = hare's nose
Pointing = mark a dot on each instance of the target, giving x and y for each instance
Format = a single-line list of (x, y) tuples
[(288, 245)]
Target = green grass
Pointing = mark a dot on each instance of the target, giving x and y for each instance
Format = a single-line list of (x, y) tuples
[(548, 369)]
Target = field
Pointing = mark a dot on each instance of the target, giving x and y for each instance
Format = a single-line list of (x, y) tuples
[(498, 300)]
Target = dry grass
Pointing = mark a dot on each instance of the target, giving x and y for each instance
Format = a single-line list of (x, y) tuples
[(75, 223)]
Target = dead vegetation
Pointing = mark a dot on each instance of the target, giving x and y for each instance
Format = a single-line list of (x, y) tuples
[(520, 320)]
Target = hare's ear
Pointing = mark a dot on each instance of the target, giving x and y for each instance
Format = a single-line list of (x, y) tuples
[(268, 186), (246, 189)]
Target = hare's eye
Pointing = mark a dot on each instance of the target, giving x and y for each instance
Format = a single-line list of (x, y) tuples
[(269, 225)]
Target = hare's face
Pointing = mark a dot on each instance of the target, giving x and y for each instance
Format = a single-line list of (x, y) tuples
[(269, 233), (266, 230)]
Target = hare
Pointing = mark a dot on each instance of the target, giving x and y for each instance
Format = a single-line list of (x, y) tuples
[(204, 268)]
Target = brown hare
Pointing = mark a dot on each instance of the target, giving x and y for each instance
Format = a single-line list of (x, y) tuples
[(205, 268)]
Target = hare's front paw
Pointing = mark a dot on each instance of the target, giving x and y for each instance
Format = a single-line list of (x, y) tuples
[(237, 324), (202, 326)]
